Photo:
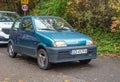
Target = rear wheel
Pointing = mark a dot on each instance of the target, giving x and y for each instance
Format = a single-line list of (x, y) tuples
[(11, 51), (42, 59), (85, 61)]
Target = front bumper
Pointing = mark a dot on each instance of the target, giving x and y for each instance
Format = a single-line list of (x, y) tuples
[(58, 55), (3, 40)]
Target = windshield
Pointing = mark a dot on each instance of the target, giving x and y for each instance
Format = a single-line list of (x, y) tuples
[(52, 24), (8, 17)]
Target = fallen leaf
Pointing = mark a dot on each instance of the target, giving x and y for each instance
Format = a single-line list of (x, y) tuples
[(20, 81), (66, 81)]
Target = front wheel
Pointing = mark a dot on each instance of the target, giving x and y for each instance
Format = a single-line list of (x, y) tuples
[(42, 59), (85, 61), (11, 51)]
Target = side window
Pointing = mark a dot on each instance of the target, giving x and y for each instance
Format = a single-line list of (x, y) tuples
[(16, 24), (27, 25)]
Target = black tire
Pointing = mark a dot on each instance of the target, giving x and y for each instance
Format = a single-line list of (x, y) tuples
[(84, 61), (42, 59), (11, 51)]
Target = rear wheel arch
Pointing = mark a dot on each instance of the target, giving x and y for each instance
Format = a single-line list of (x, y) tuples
[(10, 41)]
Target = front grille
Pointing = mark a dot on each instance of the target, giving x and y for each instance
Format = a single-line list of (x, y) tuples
[(64, 55), (6, 30)]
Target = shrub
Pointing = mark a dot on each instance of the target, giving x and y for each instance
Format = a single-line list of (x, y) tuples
[(90, 13), (50, 7), (115, 26)]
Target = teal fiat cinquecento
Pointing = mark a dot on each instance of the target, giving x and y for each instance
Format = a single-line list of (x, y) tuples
[(51, 40)]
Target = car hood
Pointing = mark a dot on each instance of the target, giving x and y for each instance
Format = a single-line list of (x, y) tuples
[(6, 24), (71, 38)]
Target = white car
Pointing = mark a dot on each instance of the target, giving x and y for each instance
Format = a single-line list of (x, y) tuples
[(6, 20)]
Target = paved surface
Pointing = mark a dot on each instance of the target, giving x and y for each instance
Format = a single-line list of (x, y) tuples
[(20, 69)]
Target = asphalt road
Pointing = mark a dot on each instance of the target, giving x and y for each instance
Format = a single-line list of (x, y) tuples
[(21, 69)]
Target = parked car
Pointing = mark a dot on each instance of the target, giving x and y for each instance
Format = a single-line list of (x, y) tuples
[(6, 20), (51, 40)]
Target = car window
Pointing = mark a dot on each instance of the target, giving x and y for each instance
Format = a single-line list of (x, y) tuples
[(26, 24), (16, 24), (8, 17)]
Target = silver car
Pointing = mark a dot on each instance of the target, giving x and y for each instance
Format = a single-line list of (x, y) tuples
[(6, 20)]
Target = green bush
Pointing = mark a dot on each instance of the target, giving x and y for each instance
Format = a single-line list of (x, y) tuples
[(50, 7), (90, 13), (106, 42)]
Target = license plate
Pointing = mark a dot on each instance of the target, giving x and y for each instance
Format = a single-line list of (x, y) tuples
[(78, 51)]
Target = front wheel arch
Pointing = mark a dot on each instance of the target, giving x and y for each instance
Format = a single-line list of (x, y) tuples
[(40, 47), (43, 59)]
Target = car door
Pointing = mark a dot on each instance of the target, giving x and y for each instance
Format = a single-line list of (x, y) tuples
[(26, 38), (14, 34)]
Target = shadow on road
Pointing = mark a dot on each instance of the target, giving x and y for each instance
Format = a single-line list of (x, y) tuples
[(58, 66), (27, 59), (3, 45), (71, 66)]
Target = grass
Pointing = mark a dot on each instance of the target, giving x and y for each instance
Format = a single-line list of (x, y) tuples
[(107, 42)]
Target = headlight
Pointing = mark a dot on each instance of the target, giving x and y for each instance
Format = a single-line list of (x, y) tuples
[(59, 44), (89, 42)]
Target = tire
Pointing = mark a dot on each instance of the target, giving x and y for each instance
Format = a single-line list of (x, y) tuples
[(11, 51), (84, 61), (42, 59)]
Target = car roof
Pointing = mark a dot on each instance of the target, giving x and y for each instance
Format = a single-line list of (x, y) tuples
[(7, 12)]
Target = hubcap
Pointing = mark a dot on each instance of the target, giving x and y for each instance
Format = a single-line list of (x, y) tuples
[(42, 59), (11, 50)]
